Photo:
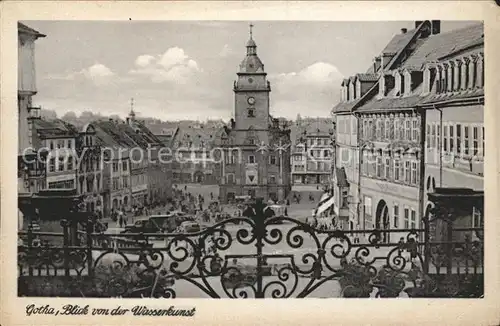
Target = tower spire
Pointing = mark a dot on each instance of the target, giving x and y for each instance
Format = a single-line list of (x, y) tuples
[(132, 113), (251, 32)]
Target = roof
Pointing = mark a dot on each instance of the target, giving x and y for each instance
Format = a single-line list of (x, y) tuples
[(196, 136), (54, 129), (457, 95), (367, 77), (439, 45), (109, 134), (22, 28), (390, 103), (398, 42)]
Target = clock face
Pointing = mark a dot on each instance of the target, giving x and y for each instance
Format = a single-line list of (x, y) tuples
[(251, 100)]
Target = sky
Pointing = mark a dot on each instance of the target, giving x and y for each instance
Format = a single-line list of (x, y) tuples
[(185, 70)]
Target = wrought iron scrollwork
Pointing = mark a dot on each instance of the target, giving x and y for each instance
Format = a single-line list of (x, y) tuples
[(251, 257)]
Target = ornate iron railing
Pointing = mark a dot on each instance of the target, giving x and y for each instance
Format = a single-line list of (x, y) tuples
[(278, 257)]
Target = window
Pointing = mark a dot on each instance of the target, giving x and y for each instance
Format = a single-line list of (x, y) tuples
[(387, 129), (466, 140), (477, 219), (368, 207), (124, 166), (452, 140), (251, 113), (407, 172), (70, 163), (379, 167), (475, 139), (433, 136), (413, 219), (51, 144), (125, 182), (272, 160), (60, 143), (318, 141), (407, 129), (378, 129), (251, 159), (230, 178), (482, 146), (415, 130), (370, 129), (387, 168), (60, 166), (459, 138), (115, 183), (428, 135), (397, 167), (326, 153), (396, 216), (407, 218), (272, 179), (52, 164), (365, 129), (115, 166), (438, 137), (445, 139), (414, 179)]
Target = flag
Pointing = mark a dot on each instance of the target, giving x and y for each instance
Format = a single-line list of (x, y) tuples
[(325, 203)]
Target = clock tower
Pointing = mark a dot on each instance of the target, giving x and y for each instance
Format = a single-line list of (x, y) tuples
[(252, 165), (251, 91)]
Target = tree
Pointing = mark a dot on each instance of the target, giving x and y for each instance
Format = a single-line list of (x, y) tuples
[(48, 114), (69, 116)]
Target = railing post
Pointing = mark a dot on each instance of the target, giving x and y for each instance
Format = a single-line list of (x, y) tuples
[(30, 248), (64, 224), (449, 251), (90, 228), (259, 235)]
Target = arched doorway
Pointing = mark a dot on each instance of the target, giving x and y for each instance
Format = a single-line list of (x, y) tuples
[(115, 203), (125, 201), (198, 177), (382, 219)]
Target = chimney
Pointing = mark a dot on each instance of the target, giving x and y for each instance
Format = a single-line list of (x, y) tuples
[(435, 27), (404, 30)]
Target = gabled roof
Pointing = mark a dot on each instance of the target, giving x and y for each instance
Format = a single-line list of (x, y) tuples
[(109, 134), (440, 45)]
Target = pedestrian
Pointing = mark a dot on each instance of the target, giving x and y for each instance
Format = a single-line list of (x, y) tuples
[(125, 219)]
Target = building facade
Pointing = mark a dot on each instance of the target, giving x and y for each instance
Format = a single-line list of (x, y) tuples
[(311, 157), (193, 151), (89, 170), (390, 128), (255, 147), (31, 171)]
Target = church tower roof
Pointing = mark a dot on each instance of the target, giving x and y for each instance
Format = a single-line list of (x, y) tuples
[(251, 63)]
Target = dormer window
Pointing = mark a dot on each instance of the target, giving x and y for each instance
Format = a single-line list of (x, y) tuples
[(403, 84), (465, 73)]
